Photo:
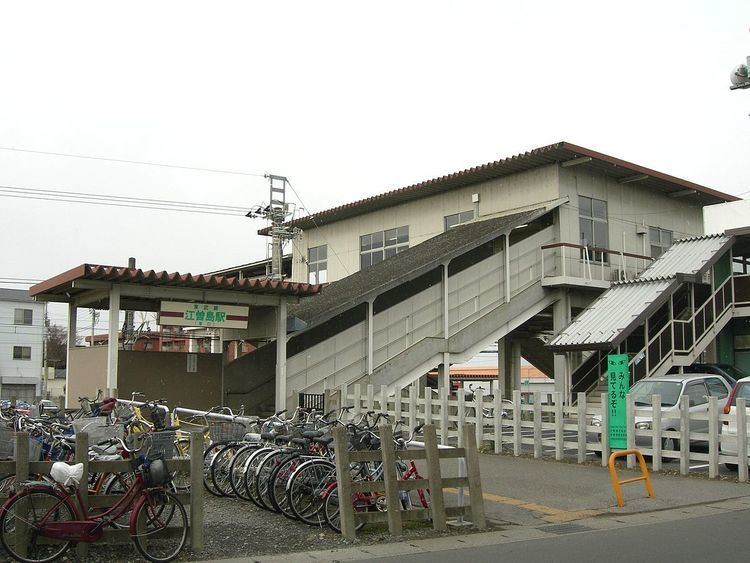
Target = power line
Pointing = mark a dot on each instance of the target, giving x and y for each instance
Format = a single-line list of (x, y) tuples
[(140, 162)]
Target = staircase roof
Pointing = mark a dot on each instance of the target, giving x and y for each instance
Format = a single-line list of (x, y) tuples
[(612, 317), (413, 262)]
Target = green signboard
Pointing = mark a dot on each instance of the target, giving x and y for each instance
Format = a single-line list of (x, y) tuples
[(618, 378)]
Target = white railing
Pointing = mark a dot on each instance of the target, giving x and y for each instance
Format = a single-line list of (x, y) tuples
[(541, 425), (576, 260)]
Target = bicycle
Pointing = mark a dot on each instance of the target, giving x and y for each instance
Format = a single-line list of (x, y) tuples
[(52, 516)]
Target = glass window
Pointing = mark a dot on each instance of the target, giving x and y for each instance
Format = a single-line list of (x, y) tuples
[(643, 390), (376, 247), (593, 226), (697, 393), (660, 240), (716, 388), (23, 317), (742, 392), (21, 352), (451, 221), (317, 264)]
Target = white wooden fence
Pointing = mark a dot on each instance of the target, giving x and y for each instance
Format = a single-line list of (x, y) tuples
[(543, 426)]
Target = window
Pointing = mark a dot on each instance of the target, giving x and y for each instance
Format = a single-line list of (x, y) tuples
[(21, 352), (660, 240), (458, 219), (696, 392), (192, 363), (23, 317), (376, 247), (716, 388), (317, 264), (592, 220)]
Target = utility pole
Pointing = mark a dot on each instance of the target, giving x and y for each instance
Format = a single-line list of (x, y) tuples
[(94, 320), (277, 212), (128, 328)]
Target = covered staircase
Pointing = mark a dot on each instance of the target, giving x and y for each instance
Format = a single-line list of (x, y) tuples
[(666, 317)]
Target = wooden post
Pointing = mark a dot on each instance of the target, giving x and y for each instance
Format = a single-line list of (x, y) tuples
[(497, 421), (478, 406), (392, 497), (384, 399), (437, 502), (22, 474), (713, 437), (357, 400), (475, 481), (344, 482), (461, 396), (517, 422), (537, 406), (443, 394), (397, 403), (196, 490), (559, 430), (684, 435), (656, 429), (413, 392), (581, 427), (82, 456), (630, 428), (370, 397), (427, 406), (605, 431), (741, 414)]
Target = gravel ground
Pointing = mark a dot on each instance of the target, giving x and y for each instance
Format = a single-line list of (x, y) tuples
[(236, 528)]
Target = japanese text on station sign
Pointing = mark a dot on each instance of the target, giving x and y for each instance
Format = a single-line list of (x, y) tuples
[(618, 386)]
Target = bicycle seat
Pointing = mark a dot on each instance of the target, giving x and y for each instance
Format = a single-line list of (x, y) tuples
[(283, 438), (312, 433), (268, 435), (66, 474), (299, 441), (325, 441)]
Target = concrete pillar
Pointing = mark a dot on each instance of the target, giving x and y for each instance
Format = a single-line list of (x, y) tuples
[(444, 372), (509, 366), (561, 318), (446, 305), (113, 349), (370, 338), (72, 328), (281, 355), (192, 342)]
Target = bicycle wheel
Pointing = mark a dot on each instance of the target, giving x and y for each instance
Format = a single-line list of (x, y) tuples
[(277, 486), (160, 526), (117, 484), (251, 466), (263, 478), (26, 514), (237, 470), (305, 490), (220, 476), (208, 458), (331, 509), (181, 479)]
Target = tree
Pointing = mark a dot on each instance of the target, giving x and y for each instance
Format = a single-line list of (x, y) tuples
[(57, 345)]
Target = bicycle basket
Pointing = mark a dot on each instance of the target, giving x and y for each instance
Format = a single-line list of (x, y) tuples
[(154, 415), (225, 430), (162, 444), (155, 472)]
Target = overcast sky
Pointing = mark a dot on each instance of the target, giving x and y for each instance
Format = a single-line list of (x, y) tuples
[(347, 99)]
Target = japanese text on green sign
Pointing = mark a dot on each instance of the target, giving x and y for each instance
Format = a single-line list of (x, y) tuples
[(205, 314), (618, 385)]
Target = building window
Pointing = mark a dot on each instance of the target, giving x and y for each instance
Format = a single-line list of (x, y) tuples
[(23, 317), (458, 219), (376, 247), (317, 264), (592, 220), (21, 352), (660, 240)]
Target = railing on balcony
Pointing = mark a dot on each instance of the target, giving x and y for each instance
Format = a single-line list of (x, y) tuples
[(579, 262), (741, 290)]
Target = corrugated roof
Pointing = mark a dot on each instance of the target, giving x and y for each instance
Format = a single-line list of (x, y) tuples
[(609, 319), (358, 287), (559, 152), (63, 283), (15, 295), (688, 256)]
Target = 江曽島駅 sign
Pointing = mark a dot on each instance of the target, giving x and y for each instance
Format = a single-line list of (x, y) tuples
[(202, 314)]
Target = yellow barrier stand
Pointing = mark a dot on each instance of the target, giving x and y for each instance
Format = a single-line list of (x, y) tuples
[(616, 482)]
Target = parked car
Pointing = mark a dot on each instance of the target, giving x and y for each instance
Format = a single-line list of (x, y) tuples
[(698, 387), (730, 373), (48, 407), (729, 429)]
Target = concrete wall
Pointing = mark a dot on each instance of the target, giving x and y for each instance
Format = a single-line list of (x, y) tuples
[(21, 371), (731, 215), (164, 375), (87, 372), (424, 217)]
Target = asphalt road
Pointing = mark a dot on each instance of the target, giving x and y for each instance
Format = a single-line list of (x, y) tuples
[(720, 537)]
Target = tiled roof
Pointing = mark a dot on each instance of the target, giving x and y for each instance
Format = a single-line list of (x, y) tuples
[(543, 156), (63, 282)]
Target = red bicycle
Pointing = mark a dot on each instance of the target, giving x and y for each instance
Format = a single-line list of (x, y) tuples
[(42, 520)]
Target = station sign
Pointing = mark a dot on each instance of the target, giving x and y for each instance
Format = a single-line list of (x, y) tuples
[(175, 313), (618, 386)]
